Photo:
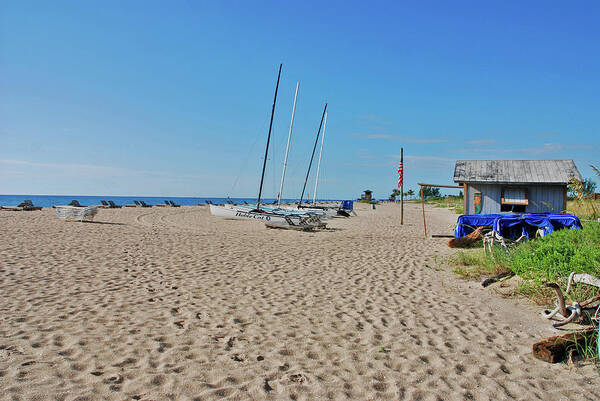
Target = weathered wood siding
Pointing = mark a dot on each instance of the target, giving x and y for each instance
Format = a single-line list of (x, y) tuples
[(542, 198), (545, 198), (490, 198)]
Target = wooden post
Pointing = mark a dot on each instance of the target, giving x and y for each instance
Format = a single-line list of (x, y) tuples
[(555, 349), (423, 198), (465, 198), (402, 187), (423, 207)]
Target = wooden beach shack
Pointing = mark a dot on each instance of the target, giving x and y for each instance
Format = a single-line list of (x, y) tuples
[(520, 186)]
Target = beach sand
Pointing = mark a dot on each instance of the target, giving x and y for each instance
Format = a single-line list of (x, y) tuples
[(173, 304)]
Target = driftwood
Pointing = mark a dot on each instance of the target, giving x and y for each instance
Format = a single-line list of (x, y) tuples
[(555, 349), (467, 240), (491, 280)]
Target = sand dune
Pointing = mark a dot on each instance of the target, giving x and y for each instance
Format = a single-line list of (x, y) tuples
[(173, 304)]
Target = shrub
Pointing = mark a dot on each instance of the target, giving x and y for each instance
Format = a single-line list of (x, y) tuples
[(555, 256), (550, 258)]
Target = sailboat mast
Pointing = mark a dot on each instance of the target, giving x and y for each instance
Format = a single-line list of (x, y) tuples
[(313, 154), (319, 164), (287, 149), (262, 177)]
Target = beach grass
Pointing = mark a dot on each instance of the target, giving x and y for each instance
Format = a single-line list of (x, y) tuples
[(474, 263), (455, 203), (585, 209), (368, 201), (546, 259), (586, 350)]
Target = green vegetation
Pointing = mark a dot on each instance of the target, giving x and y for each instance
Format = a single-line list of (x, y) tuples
[(450, 202), (550, 258), (431, 192), (474, 263), (395, 194), (587, 350), (588, 187), (581, 204), (555, 256)]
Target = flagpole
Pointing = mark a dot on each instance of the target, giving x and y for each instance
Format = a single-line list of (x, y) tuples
[(402, 187)]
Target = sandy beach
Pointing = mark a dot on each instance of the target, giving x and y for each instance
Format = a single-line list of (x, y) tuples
[(174, 304)]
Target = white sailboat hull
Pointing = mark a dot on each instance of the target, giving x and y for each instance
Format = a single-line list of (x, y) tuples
[(230, 212), (280, 210), (328, 212)]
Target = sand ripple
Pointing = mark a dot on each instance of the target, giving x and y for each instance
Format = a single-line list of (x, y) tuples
[(172, 304)]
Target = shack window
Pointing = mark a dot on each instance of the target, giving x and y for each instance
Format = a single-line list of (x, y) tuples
[(514, 196)]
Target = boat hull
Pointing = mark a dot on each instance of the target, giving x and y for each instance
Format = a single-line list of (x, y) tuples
[(280, 210), (328, 212), (230, 212)]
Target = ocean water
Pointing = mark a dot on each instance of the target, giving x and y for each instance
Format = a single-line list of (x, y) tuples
[(50, 200)]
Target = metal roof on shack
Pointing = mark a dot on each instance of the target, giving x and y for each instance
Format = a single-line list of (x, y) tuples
[(516, 171)]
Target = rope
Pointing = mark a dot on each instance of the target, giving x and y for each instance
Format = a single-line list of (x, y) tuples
[(243, 166), (575, 311)]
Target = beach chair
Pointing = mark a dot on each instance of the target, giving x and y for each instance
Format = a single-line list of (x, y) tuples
[(105, 205), (348, 207), (174, 204), (25, 205), (75, 203), (76, 213), (113, 205), (137, 203), (166, 203), (144, 204), (28, 205)]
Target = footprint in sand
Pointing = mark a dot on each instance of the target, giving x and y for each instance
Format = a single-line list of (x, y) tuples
[(298, 378)]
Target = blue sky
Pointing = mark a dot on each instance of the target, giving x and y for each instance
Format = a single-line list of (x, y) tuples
[(173, 98)]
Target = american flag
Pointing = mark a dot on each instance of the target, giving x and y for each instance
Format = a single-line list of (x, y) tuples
[(400, 178)]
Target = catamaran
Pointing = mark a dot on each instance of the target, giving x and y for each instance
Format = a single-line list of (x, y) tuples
[(258, 212), (327, 211)]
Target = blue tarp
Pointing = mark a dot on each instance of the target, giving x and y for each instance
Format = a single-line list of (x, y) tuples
[(513, 226)]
